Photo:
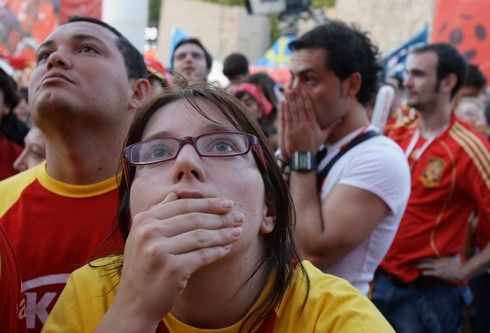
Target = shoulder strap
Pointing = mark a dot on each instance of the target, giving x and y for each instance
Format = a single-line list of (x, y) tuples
[(361, 138)]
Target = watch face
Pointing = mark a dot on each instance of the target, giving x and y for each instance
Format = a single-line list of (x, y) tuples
[(303, 161)]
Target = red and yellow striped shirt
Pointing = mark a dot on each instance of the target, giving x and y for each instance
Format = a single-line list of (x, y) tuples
[(450, 179)]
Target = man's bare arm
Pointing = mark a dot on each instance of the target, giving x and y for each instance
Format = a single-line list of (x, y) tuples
[(326, 232), (452, 269)]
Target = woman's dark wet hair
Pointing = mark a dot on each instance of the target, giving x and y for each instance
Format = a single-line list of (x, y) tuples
[(279, 255)]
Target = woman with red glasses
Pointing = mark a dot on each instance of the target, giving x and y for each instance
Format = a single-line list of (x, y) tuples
[(206, 218)]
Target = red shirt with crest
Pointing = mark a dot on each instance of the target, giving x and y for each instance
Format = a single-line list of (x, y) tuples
[(450, 179)]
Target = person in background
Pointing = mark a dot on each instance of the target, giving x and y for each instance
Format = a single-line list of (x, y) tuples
[(252, 97), (450, 169), (156, 75), (473, 85), (34, 150), (348, 206), (235, 68), (191, 60), (472, 110), (207, 222), (12, 130), (274, 93), (22, 109), (272, 90), (88, 82)]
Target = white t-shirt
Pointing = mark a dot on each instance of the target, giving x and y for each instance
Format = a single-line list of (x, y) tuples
[(377, 165)]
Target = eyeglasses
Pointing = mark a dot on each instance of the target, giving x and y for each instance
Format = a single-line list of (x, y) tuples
[(218, 144)]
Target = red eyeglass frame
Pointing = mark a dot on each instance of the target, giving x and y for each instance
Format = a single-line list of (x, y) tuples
[(252, 142)]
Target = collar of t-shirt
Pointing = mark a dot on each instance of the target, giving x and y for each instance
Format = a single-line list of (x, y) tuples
[(71, 190), (334, 148)]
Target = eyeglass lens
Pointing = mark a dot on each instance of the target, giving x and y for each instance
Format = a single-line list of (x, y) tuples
[(219, 144)]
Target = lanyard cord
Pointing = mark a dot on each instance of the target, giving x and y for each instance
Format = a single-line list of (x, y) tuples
[(361, 132), (413, 142)]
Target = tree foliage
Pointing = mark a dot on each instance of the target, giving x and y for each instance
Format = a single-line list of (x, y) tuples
[(323, 3)]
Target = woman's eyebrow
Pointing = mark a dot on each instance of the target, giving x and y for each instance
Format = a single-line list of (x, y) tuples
[(158, 135), (216, 127), (207, 128)]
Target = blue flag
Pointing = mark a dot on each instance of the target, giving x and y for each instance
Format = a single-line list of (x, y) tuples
[(176, 35), (394, 61), (279, 55)]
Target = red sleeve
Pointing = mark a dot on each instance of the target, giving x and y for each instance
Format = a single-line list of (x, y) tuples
[(475, 171)]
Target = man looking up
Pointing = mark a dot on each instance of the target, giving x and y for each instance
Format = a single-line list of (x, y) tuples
[(346, 220), (450, 169), (191, 60), (88, 82)]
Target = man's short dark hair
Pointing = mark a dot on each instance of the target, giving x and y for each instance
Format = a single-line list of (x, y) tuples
[(348, 50), (235, 64), (195, 41), (133, 59), (474, 78), (449, 60)]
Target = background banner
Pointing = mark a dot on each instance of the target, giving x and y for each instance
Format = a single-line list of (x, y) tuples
[(466, 25), (25, 23)]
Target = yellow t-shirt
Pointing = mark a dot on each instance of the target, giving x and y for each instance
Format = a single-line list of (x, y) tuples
[(333, 305)]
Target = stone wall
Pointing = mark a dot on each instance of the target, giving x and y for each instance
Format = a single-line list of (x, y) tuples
[(390, 22), (222, 29)]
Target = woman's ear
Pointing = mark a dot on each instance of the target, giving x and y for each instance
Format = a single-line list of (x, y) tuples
[(268, 219)]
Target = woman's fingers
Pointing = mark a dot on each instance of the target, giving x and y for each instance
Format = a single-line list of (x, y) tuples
[(202, 257), (200, 239), (184, 223), (166, 209)]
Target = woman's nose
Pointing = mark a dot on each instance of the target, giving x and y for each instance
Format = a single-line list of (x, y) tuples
[(188, 164)]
